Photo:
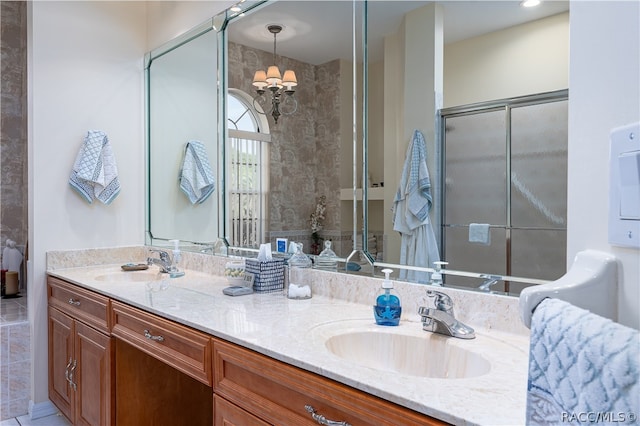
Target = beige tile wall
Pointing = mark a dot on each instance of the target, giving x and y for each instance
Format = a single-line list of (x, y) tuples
[(15, 366), (13, 122), (15, 359)]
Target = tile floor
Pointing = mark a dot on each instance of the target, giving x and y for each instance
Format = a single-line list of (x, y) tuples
[(55, 420), (15, 359), (15, 366), (13, 310)]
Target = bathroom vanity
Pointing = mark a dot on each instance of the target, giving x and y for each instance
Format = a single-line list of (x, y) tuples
[(81, 356), (138, 348)]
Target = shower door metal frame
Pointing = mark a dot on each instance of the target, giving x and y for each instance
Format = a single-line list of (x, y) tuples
[(505, 105)]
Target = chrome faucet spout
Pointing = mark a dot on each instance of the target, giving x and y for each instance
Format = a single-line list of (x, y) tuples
[(489, 281), (163, 260), (441, 319), (437, 321)]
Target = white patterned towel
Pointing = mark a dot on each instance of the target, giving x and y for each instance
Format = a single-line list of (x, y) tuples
[(95, 174), (196, 176), (582, 368)]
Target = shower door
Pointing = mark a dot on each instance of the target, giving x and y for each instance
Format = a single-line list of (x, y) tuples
[(505, 165)]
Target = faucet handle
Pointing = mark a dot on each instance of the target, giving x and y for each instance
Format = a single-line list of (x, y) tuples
[(164, 255), (441, 301)]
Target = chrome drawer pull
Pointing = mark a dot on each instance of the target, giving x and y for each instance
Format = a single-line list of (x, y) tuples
[(322, 420), (66, 371), (72, 301), (71, 372), (150, 336)]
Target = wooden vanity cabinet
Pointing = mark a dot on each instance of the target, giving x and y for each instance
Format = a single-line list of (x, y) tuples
[(150, 392), (111, 363), (228, 414), (80, 356), (251, 384), (185, 349), (163, 370)]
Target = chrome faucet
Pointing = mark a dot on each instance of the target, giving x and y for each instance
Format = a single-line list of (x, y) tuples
[(489, 281), (163, 260), (440, 319)]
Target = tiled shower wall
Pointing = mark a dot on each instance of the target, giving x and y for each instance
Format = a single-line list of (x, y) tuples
[(15, 360), (13, 122)]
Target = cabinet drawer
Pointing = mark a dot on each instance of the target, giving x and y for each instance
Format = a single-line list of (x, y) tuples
[(228, 414), (84, 305), (186, 350), (277, 393)]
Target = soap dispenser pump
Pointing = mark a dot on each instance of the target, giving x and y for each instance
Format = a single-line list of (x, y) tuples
[(387, 309), (436, 277)]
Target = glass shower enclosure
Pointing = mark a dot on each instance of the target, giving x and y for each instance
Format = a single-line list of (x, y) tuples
[(504, 164)]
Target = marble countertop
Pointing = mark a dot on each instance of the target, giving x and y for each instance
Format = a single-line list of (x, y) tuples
[(296, 331)]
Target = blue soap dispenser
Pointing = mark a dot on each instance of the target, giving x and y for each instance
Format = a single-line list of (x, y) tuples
[(387, 309)]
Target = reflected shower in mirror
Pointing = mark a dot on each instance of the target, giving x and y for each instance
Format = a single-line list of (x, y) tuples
[(465, 71), (503, 174)]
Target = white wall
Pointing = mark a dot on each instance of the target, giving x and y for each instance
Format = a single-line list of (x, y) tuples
[(604, 92), (86, 72), (168, 19), (521, 60), (415, 53)]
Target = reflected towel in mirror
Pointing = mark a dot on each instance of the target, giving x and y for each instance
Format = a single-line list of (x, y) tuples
[(411, 208), (580, 362), (479, 233), (95, 174), (196, 176)]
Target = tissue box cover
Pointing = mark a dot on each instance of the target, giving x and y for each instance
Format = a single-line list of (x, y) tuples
[(269, 275)]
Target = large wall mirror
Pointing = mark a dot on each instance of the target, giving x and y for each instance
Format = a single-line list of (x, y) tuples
[(484, 83), (183, 153), (369, 74), (307, 154)]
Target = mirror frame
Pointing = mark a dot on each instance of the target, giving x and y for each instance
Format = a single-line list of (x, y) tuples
[(149, 58)]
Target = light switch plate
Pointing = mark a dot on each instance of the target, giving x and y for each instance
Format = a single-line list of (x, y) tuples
[(624, 186)]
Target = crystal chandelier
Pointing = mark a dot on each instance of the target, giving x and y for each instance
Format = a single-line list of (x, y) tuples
[(280, 87)]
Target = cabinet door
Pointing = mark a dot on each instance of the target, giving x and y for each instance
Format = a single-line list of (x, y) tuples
[(228, 414), (93, 376), (61, 329)]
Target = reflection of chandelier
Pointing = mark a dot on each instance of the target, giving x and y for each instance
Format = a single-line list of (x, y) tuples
[(277, 85)]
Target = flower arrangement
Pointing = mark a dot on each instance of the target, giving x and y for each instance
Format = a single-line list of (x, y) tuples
[(317, 218)]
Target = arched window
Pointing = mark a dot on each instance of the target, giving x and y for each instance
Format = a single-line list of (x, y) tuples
[(247, 154)]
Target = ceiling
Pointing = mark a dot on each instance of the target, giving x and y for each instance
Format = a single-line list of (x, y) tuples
[(318, 31)]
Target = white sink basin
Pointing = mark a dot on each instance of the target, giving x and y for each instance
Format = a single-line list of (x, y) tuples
[(406, 349), (133, 276), (430, 355)]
